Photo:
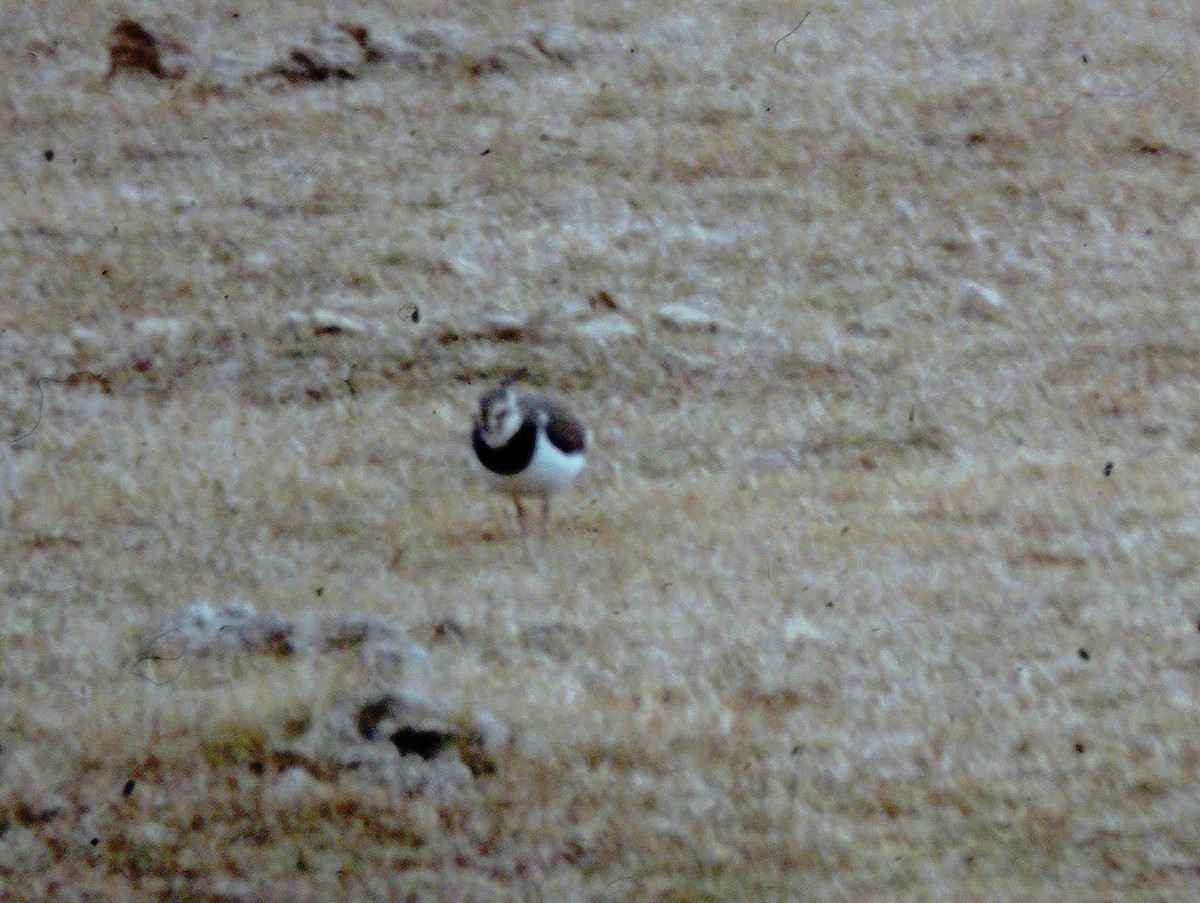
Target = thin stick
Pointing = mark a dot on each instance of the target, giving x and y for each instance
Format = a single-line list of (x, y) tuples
[(792, 32)]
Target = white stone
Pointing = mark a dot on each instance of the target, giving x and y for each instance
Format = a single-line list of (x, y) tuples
[(294, 789), (799, 627), (685, 318), (308, 324), (603, 330), (980, 302)]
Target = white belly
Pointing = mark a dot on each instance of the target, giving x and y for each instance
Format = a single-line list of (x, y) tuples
[(549, 471)]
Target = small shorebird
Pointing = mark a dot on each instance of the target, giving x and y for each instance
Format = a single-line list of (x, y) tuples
[(528, 446)]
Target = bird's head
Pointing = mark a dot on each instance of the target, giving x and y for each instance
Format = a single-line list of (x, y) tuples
[(499, 415)]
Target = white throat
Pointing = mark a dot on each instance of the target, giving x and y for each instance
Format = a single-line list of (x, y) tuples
[(502, 421)]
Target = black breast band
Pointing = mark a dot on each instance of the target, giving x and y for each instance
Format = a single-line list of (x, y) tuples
[(510, 458)]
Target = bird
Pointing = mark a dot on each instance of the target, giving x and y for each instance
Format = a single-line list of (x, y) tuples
[(528, 445)]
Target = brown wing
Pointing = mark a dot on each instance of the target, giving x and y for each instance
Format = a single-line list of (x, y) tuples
[(565, 432)]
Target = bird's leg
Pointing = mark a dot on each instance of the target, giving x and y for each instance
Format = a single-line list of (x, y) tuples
[(520, 517), (524, 527), (545, 517)]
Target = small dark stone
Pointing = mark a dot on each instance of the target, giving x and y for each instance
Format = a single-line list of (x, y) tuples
[(134, 48), (1079, 748), (602, 300), (416, 315), (360, 34), (371, 714), (448, 630), (418, 742), (486, 151), (95, 841), (49, 155), (1108, 469), (1084, 654), (128, 788), (414, 733)]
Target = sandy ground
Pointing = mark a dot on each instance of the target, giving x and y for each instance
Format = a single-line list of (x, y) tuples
[(882, 581)]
